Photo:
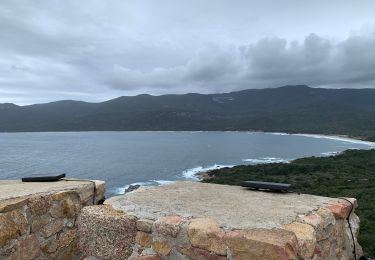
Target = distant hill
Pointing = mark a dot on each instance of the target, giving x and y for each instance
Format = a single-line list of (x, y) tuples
[(285, 109)]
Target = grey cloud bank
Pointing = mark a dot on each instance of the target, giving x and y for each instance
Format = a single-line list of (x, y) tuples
[(95, 50)]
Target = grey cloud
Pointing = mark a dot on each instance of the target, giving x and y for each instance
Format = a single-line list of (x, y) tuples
[(94, 50), (269, 62)]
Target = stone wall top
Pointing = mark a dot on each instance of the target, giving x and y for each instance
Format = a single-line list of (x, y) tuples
[(189, 220), (38, 220), (232, 206), (10, 189)]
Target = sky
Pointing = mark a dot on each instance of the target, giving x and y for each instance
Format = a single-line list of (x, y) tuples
[(95, 50)]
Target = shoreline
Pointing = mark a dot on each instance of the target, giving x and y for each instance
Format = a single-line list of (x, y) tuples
[(342, 137), (201, 176)]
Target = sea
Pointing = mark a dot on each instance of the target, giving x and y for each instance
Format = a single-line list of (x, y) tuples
[(154, 158)]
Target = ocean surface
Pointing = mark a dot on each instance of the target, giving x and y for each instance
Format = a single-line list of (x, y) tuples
[(153, 158)]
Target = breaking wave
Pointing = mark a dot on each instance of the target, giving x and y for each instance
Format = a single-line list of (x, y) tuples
[(330, 153), (121, 190), (266, 160), (191, 173)]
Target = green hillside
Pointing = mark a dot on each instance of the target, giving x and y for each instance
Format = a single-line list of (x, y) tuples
[(286, 109)]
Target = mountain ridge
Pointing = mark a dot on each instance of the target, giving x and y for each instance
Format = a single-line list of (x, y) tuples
[(297, 108)]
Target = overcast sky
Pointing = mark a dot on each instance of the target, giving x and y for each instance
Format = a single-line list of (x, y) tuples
[(96, 50)]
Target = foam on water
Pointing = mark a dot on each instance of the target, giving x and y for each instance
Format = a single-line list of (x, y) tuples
[(163, 182), (266, 160), (191, 173), (121, 190), (330, 153)]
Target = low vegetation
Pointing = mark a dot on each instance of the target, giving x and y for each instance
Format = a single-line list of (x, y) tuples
[(350, 174)]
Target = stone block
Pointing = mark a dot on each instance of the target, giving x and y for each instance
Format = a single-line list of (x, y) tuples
[(10, 204), (161, 246), (39, 221), (143, 239), (340, 209), (26, 249), (39, 205), (322, 221), (262, 244), (52, 228), (100, 190), (200, 254), (50, 246), (12, 225), (106, 233), (145, 225), (67, 238), (62, 195), (306, 237), (86, 194), (205, 233), (56, 210), (147, 257), (169, 225), (71, 207)]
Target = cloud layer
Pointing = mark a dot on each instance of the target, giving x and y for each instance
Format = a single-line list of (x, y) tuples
[(93, 50)]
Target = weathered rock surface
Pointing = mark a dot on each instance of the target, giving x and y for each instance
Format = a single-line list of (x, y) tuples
[(262, 244), (205, 233), (106, 233)]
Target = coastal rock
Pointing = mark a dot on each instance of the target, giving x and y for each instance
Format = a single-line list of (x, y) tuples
[(132, 188), (99, 191)]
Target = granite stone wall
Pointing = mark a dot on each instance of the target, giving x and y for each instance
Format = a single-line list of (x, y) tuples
[(44, 225), (106, 233)]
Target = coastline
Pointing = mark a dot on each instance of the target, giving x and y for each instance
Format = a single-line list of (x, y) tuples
[(201, 176), (200, 173)]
